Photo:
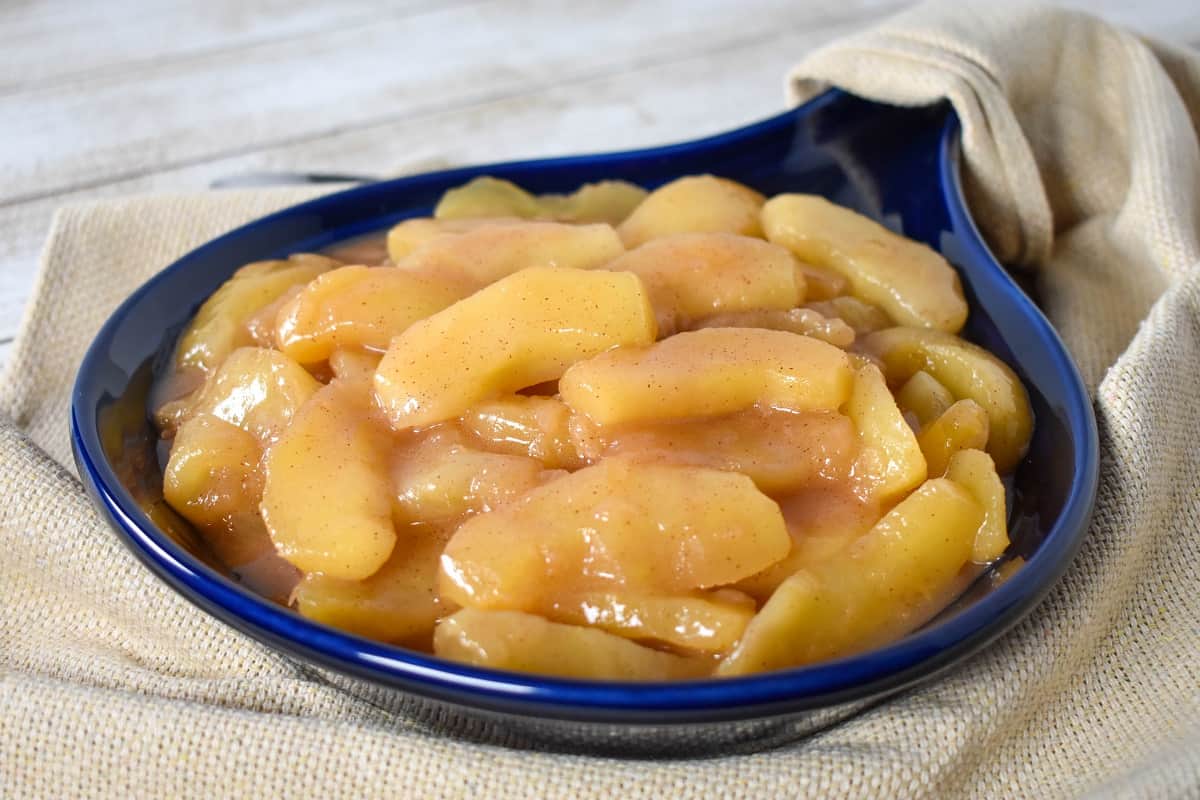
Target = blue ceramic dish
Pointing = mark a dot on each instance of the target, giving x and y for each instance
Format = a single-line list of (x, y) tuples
[(897, 165)]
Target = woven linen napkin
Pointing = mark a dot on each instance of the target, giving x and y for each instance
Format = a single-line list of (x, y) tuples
[(1083, 165)]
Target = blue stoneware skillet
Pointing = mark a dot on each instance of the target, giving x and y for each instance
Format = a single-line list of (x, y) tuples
[(900, 166)]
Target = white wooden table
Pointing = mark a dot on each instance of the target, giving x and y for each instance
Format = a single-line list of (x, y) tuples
[(128, 96)]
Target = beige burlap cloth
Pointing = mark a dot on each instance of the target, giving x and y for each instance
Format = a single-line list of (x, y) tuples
[(1083, 161)]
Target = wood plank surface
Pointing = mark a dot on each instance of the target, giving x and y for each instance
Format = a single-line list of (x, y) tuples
[(130, 96)]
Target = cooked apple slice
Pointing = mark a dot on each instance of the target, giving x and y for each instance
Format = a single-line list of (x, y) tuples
[(803, 321), (779, 450), (527, 643), (708, 372), (441, 478), (212, 473), (521, 331), (659, 529), (486, 196), (358, 308), (396, 604), (695, 204), (709, 622), (924, 398), (963, 426), (327, 499), (890, 463), (969, 372), (257, 389), (975, 471), (219, 327), (695, 275), (908, 280), (520, 425), (603, 201), (407, 235), (861, 316), (821, 283), (354, 366), (878, 588), (488, 252)]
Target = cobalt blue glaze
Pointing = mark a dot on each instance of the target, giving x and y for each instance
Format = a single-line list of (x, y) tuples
[(897, 165)]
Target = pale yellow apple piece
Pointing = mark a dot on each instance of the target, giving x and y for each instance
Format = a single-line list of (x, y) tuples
[(219, 327), (804, 321), (779, 450), (327, 499), (486, 196), (538, 427), (969, 372), (975, 471), (704, 622), (695, 275), (358, 308), (822, 520), (658, 529), (603, 201), (257, 389), (406, 236), (695, 204), (908, 280), (486, 253), (212, 472), (520, 642), (441, 478), (355, 366), (963, 426), (261, 324), (396, 604), (889, 463), (821, 283), (708, 372), (863, 317), (521, 331), (923, 397), (881, 586)]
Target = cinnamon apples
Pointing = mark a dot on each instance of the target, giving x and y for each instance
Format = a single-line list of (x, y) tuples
[(694, 204), (911, 282), (522, 330), (327, 496), (708, 372)]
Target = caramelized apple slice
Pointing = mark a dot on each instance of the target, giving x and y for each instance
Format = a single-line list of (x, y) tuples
[(406, 236), (258, 390), (486, 196), (440, 478), (520, 331), (924, 398), (695, 275), (890, 462), (862, 317), (358, 308), (327, 499), (354, 366), (709, 622), (779, 450), (519, 425), (695, 204), (968, 371), (219, 327), (603, 201), (803, 321), (908, 280), (527, 643), (708, 372), (878, 588), (396, 604), (661, 529), (488, 252), (975, 471), (963, 426), (212, 472)]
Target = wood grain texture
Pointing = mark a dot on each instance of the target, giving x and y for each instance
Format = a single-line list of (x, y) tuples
[(133, 96)]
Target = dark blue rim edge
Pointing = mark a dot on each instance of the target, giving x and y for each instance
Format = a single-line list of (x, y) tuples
[(857, 677)]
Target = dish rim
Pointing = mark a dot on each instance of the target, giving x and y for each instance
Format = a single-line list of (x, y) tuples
[(857, 677)]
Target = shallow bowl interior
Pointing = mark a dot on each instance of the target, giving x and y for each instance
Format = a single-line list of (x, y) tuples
[(899, 166)]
